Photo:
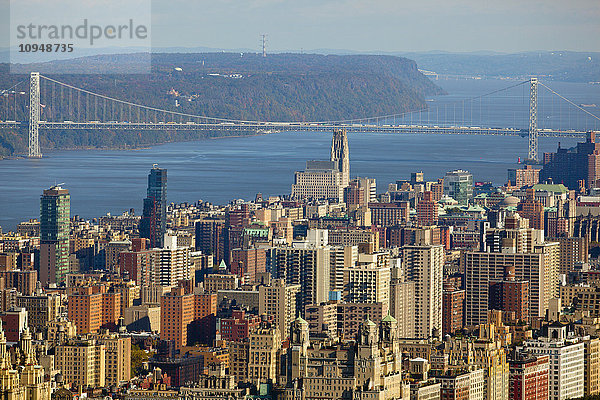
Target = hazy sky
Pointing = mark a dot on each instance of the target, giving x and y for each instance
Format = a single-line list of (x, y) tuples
[(386, 25), (377, 25)]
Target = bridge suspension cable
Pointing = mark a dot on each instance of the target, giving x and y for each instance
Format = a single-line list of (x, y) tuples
[(61, 105)]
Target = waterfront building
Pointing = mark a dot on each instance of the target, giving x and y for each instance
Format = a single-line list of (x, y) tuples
[(458, 184), (527, 176), (570, 166)]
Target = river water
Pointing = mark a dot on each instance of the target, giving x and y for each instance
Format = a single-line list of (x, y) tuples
[(219, 170)]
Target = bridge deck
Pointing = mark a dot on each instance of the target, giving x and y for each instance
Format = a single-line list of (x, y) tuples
[(271, 127)]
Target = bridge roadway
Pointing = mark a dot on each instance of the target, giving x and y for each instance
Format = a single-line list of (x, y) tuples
[(272, 127)]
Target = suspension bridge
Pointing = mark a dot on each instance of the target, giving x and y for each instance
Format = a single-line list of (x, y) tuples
[(55, 105)]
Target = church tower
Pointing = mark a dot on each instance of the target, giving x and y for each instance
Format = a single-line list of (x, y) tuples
[(340, 154)]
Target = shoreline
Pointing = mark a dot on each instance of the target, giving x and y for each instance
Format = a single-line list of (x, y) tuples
[(131, 148)]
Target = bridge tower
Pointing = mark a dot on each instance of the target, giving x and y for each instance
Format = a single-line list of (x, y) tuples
[(533, 129), (34, 115)]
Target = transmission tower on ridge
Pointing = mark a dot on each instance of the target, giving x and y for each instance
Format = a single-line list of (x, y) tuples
[(264, 44)]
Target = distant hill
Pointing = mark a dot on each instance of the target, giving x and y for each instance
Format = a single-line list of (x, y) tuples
[(280, 87), (553, 65)]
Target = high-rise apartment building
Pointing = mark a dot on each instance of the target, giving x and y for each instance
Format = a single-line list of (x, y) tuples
[(592, 366), (566, 359), (55, 205), (424, 265), (264, 345), (572, 251), (41, 309), (306, 265), (178, 309), (367, 283), (281, 301), (118, 358), (389, 214), (453, 306), (539, 268), (154, 219), (402, 303), (138, 265), (247, 263), (172, 263), (510, 295), (92, 307), (210, 238), (82, 362)]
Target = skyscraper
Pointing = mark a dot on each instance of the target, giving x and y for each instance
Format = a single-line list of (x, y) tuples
[(154, 220), (326, 179), (340, 154), (55, 209), (424, 265)]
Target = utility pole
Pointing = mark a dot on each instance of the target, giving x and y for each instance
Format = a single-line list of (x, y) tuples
[(264, 44)]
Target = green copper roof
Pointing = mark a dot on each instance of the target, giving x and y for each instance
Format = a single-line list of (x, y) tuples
[(388, 318), (222, 265), (558, 188), (264, 232), (301, 320)]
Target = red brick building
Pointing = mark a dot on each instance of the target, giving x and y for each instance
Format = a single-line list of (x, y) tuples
[(93, 307), (179, 309), (532, 210), (427, 210), (248, 263), (137, 265), (239, 326), (453, 305), (529, 376)]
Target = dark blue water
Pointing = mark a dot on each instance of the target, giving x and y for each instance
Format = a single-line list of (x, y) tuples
[(220, 170)]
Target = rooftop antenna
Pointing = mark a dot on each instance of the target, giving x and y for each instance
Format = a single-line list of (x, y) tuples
[(264, 44)]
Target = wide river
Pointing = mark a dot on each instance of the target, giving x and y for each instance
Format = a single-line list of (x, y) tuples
[(219, 170)]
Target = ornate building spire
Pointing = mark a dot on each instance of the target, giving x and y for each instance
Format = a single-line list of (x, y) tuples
[(340, 154)]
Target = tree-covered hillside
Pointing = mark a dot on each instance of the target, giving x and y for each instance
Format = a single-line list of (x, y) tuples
[(280, 87)]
